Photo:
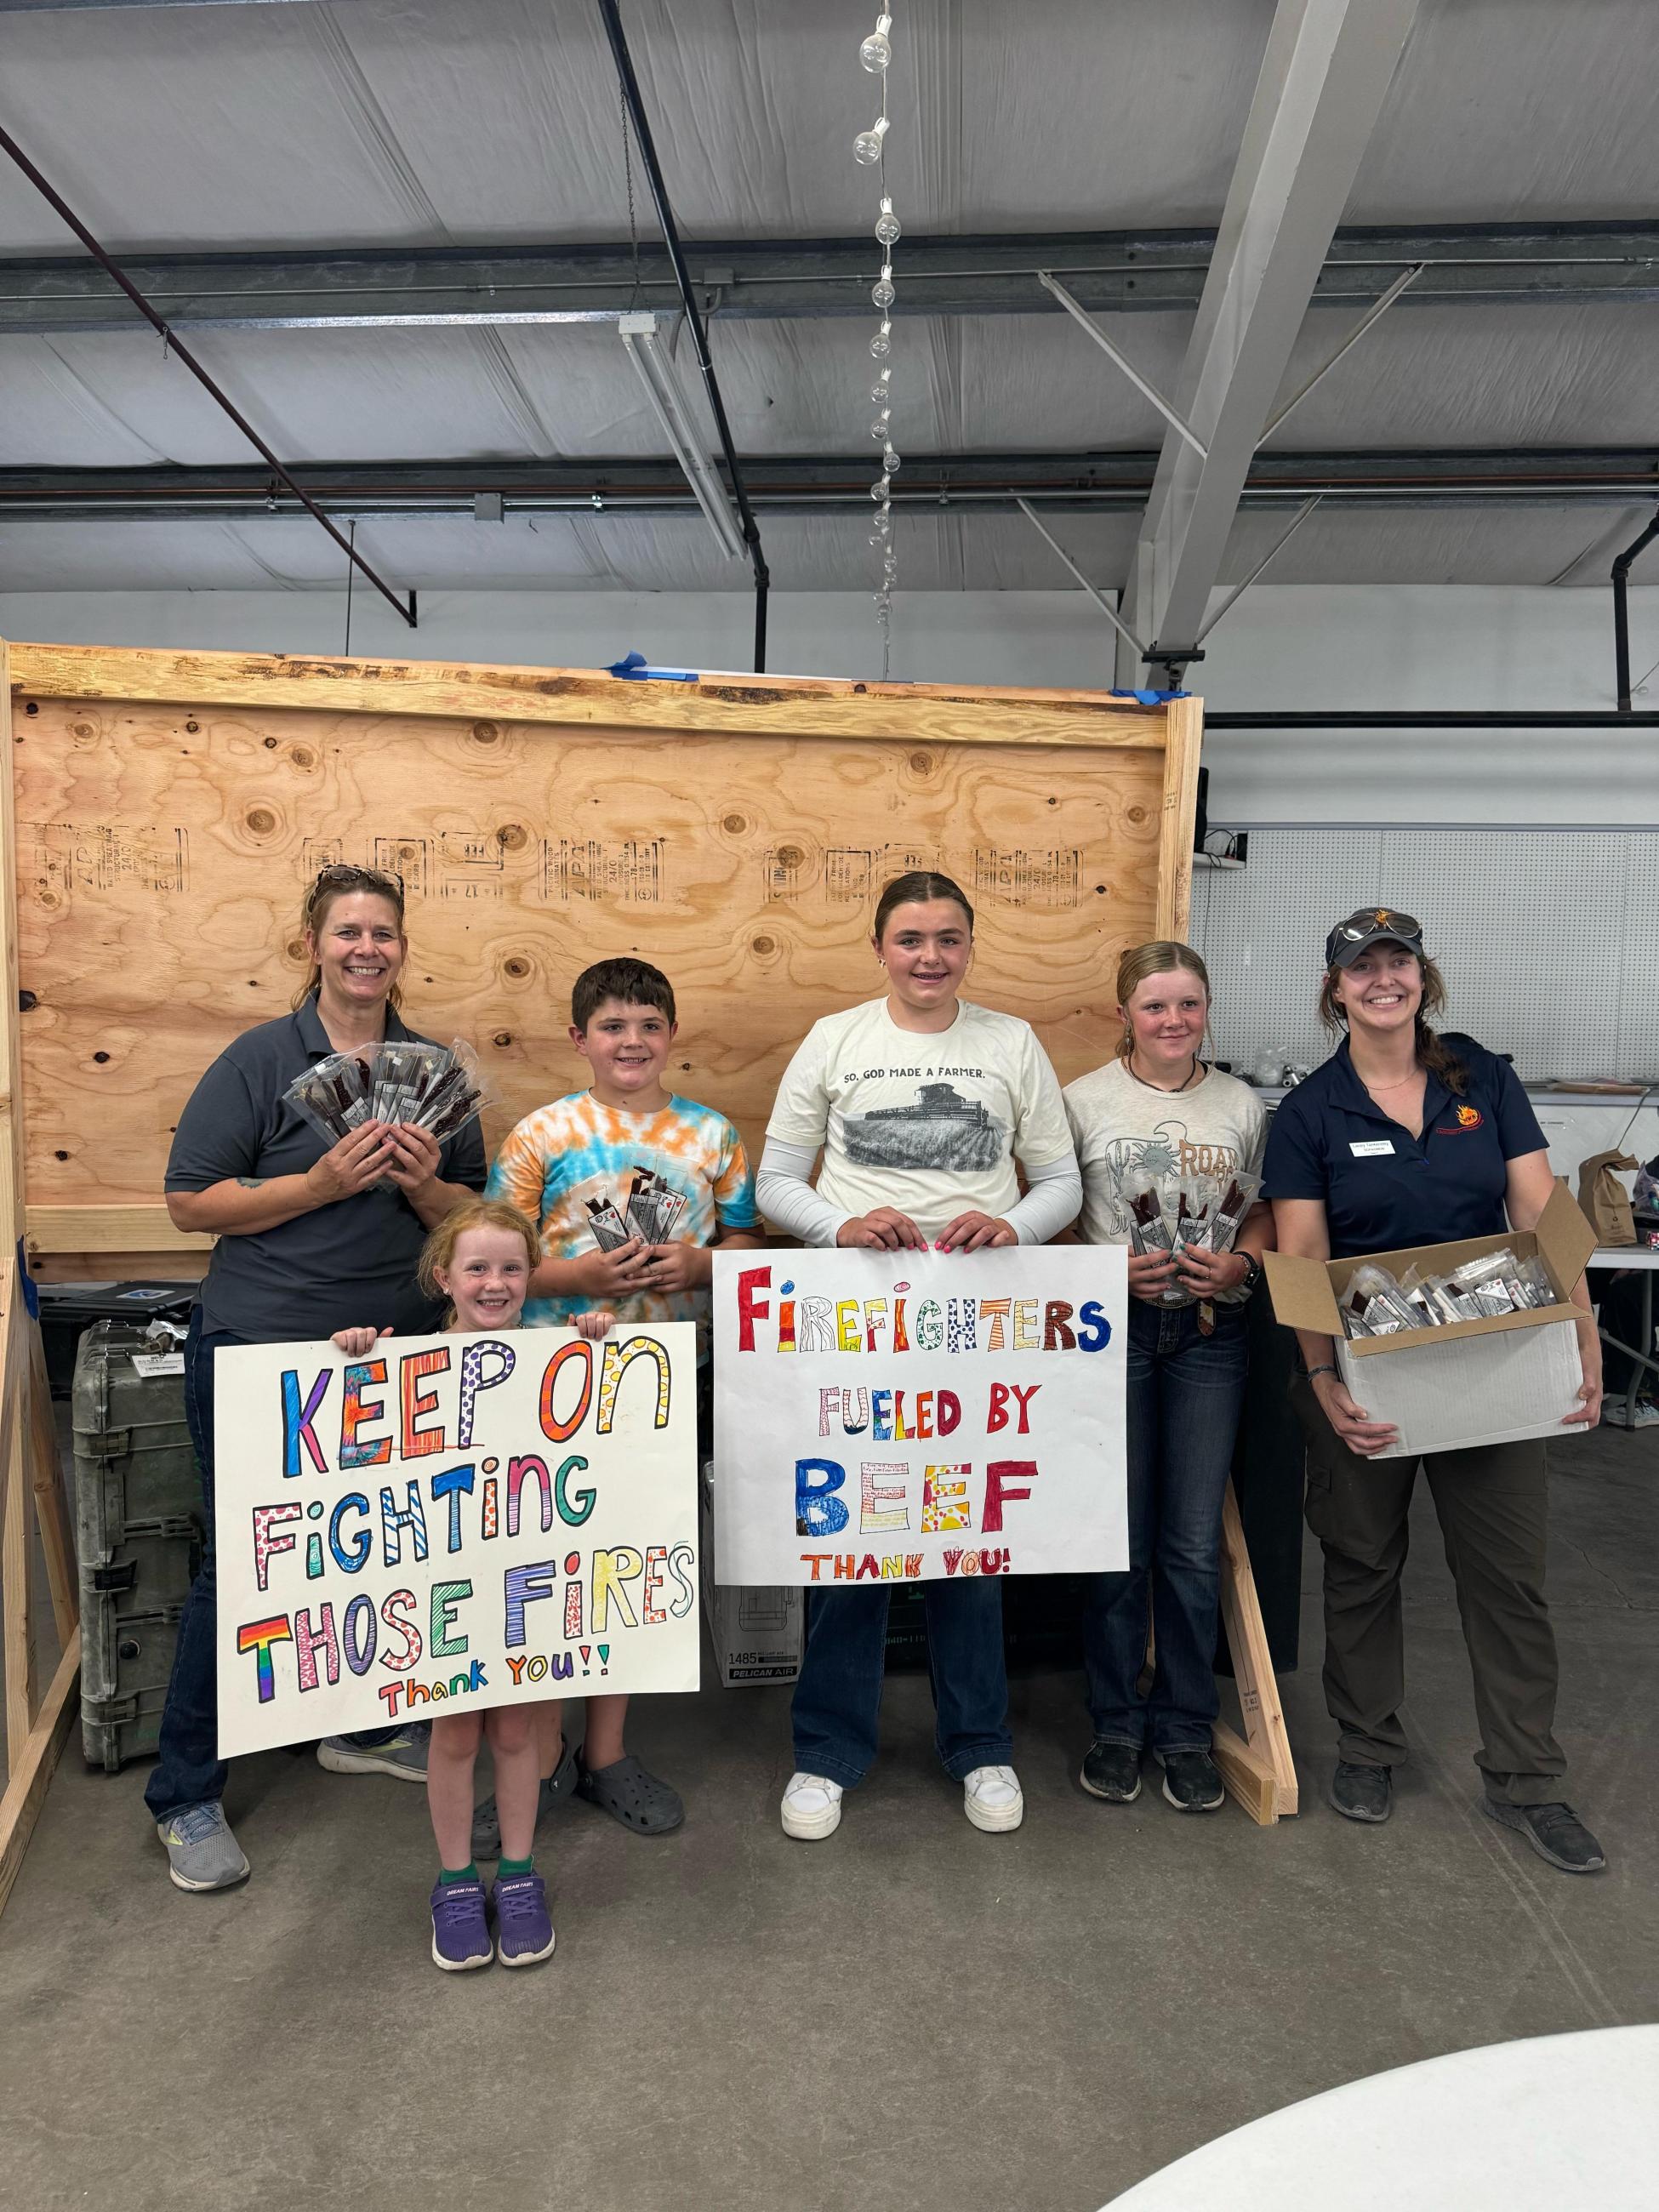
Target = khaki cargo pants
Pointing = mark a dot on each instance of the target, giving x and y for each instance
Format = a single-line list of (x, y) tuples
[(1490, 1501)]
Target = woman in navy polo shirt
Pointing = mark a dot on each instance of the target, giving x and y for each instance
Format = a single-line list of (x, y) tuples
[(1402, 1138), (310, 1240)]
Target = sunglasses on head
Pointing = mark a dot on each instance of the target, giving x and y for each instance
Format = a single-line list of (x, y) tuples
[(349, 872)]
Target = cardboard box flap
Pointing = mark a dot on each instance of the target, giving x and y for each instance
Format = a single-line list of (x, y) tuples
[(1302, 1293), (1306, 1292), (1565, 1240)]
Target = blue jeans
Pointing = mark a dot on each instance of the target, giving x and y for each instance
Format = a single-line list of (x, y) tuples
[(188, 1769), (1185, 1392), (837, 1700)]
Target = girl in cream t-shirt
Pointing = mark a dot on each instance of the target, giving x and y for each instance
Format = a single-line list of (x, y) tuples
[(921, 1104), (929, 1124), (1158, 1107)]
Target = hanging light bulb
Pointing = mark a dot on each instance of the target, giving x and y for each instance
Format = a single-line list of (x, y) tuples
[(880, 429), (882, 344), (889, 460), (880, 392), (878, 489), (876, 52), (882, 290), (883, 524), (888, 227), (867, 147)]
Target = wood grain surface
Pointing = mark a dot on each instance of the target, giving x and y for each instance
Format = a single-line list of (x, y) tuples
[(739, 705), (163, 848)]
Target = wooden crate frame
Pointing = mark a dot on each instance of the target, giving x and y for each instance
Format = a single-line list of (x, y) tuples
[(100, 736)]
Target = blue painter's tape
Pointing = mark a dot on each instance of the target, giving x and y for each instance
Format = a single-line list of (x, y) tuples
[(1149, 698), (633, 669)]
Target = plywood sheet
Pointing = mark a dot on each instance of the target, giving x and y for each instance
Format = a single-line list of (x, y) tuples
[(163, 854)]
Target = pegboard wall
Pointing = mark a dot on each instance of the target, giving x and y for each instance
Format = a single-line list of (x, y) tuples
[(1548, 939)]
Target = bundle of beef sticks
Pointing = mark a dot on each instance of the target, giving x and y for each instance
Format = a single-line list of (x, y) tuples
[(649, 1211), (423, 1086)]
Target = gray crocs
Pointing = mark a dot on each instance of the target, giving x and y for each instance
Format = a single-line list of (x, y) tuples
[(486, 1820), (631, 1795)]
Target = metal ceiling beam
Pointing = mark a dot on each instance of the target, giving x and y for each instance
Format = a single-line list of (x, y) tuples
[(1115, 272), (1324, 76), (1055, 482)]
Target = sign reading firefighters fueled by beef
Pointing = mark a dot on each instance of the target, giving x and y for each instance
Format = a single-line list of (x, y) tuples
[(895, 1416)]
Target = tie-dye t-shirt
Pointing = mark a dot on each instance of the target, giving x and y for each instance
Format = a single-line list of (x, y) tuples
[(563, 1155)]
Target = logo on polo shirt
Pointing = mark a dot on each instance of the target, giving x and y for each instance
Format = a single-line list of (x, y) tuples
[(1463, 1117)]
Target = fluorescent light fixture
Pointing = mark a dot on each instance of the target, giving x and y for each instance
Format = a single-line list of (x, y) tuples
[(638, 334)]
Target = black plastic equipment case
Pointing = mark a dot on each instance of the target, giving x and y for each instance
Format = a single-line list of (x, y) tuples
[(138, 1525), (68, 1309)]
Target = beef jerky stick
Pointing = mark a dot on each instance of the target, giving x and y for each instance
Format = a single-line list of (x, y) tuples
[(610, 1231)]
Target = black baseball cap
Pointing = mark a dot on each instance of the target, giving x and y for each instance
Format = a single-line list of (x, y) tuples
[(1372, 925)]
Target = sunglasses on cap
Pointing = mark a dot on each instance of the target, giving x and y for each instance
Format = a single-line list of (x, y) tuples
[(1372, 925)]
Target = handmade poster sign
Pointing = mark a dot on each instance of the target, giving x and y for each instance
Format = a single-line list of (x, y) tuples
[(898, 1416), (452, 1522)]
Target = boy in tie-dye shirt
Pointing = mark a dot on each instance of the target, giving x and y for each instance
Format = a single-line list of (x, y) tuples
[(586, 1148)]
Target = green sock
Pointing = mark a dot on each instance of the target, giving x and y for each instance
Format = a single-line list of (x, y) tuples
[(507, 1867), (450, 1875)]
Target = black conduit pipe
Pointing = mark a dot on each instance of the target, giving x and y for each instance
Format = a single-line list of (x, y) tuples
[(630, 91), (1621, 568)]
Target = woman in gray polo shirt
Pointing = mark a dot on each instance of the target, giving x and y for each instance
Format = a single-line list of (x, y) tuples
[(310, 1240)]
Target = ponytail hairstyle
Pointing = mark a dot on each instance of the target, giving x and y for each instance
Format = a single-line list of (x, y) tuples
[(339, 880), (1434, 1054), (1162, 955), (916, 889), (439, 1250)]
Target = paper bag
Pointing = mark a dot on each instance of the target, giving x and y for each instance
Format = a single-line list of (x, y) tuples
[(1603, 1199)]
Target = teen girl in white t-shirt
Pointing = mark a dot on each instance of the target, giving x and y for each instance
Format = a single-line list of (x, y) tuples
[(1157, 1106), (922, 1103)]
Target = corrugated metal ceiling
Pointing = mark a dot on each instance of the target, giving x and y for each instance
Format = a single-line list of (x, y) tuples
[(406, 122)]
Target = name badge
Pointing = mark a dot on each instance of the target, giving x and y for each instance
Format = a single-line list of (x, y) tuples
[(1378, 1147)]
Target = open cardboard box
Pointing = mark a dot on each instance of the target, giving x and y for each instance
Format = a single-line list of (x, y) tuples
[(1484, 1382)]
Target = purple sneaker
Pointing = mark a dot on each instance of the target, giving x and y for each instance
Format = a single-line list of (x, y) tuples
[(460, 1927), (524, 1926)]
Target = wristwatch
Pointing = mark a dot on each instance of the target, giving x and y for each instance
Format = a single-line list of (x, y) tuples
[(1252, 1273)]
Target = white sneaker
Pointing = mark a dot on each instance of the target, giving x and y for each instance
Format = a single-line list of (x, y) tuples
[(812, 1806), (992, 1800)]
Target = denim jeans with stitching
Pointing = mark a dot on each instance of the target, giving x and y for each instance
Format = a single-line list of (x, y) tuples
[(837, 1701), (1185, 1392)]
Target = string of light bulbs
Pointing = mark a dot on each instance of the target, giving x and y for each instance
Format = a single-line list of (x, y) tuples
[(870, 151)]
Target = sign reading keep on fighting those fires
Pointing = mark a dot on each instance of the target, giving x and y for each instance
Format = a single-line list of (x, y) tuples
[(452, 1522), (898, 1416)]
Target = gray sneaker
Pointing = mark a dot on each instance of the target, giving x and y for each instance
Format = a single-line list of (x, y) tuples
[(403, 1756), (202, 1853)]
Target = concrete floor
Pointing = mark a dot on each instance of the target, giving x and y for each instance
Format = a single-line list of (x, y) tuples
[(911, 2016)]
